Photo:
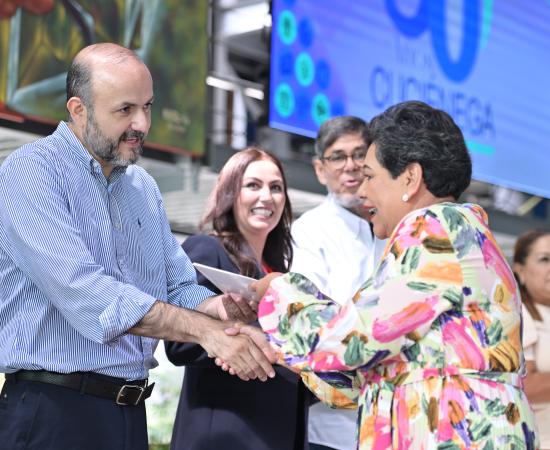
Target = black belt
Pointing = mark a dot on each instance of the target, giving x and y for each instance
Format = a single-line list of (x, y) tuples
[(125, 393)]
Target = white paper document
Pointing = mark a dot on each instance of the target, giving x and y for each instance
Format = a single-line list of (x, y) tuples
[(228, 281)]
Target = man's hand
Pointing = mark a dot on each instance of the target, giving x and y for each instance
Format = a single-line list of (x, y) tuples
[(230, 307), (248, 354)]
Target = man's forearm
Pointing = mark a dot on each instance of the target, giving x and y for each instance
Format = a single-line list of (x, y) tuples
[(251, 358), (165, 321)]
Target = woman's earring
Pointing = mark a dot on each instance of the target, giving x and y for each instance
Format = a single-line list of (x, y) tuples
[(405, 197)]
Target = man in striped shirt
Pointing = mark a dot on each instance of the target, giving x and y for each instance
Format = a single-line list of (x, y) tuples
[(91, 276)]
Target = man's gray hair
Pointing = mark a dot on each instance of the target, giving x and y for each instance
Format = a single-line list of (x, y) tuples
[(333, 129)]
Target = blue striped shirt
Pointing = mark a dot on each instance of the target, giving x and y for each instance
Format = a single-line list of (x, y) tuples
[(82, 260)]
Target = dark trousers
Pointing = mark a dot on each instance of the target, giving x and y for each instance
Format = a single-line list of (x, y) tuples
[(39, 416)]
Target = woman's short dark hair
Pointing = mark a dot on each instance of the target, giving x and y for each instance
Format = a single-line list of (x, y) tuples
[(333, 129), (522, 250), (414, 131), (220, 216)]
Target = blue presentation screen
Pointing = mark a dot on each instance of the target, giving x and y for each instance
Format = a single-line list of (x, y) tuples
[(486, 63)]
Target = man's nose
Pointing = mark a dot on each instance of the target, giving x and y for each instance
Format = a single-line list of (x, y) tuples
[(141, 121), (350, 163)]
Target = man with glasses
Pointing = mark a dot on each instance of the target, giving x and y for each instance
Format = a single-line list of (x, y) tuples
[(335, 248)]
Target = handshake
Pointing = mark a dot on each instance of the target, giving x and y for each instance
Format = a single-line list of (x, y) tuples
[(238, 347)]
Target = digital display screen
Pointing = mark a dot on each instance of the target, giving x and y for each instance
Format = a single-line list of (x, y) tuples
[(486, 63)]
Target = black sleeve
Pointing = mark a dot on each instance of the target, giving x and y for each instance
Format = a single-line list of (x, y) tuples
[(205, 250)]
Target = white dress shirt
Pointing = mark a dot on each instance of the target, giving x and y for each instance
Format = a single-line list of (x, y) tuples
[(336, 250)]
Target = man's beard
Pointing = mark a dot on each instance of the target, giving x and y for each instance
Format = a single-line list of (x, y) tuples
[(107, 149), (348, 201)]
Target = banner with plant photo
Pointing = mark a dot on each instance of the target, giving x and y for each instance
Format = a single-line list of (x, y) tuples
[(39, 38)]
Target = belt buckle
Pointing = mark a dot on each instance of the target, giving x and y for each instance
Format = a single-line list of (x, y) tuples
[(122, 392)]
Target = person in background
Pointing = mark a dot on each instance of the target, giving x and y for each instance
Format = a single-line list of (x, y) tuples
[(334, 248), (430, 346), (532, 270), (90, 272), (249, 216)]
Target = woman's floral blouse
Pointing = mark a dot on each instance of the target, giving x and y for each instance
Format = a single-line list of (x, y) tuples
[(429, 347)]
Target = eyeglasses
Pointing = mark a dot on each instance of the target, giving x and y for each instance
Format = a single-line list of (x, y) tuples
[(338, 160)]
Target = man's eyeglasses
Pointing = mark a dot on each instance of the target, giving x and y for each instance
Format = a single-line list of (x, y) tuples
[(338, 160)]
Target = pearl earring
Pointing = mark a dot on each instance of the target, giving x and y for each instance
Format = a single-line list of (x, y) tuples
[(405, 197)]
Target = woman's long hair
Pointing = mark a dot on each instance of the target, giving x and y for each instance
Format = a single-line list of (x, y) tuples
[(220, 216), (522, 249)]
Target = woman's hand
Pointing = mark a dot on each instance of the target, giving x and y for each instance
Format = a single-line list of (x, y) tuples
[(230, 307), (261, 286)]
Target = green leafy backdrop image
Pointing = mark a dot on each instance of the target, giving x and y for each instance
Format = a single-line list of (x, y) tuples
[(38, 44)]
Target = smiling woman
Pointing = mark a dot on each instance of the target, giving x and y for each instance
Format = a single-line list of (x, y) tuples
[(430, 346), (248, 215), (260, 204), (249, 211)]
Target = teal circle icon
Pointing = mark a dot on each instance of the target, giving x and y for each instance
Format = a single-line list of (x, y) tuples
[(320, 108), (287, 27), (284, 100), (304, 69)]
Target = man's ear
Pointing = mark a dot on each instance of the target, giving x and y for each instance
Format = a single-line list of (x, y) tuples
[(77, 110), (320, 171)]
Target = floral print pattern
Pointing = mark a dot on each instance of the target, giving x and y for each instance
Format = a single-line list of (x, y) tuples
[(429, 348)]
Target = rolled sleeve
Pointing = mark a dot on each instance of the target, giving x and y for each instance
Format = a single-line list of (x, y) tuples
[(124, 313)]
